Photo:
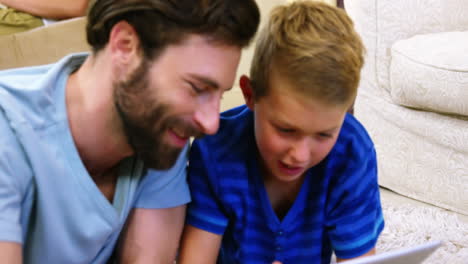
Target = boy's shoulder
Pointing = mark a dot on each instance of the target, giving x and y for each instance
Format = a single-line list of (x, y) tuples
[(353, 158), (234, 136), (353, 138), (235, 114)]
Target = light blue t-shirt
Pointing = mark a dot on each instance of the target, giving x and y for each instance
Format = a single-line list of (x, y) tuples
[(48, 201)]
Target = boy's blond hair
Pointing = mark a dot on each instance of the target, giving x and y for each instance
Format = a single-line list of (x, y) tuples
[(315, 47)]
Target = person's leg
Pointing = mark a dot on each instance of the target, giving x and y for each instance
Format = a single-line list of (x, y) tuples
[(14, 21)]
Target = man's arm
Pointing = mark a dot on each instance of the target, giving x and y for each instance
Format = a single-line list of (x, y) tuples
[(370, 253), (14, 171), (199, 246), (54, 9), (10, 252), (152, 236)]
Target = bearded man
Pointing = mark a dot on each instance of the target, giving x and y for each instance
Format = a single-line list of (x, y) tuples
[(96, 143)]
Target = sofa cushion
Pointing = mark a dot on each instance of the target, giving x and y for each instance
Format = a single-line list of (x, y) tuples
[(430, 72)]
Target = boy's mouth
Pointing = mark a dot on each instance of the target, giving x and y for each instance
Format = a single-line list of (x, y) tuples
[(288, 169)]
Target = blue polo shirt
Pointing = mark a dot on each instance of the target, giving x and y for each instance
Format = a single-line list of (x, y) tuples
[(337, 208)]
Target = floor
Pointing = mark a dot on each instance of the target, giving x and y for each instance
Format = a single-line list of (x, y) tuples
[(397, 198)]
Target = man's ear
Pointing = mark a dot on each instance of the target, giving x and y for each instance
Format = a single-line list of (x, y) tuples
[(247, 91), (124, 45)]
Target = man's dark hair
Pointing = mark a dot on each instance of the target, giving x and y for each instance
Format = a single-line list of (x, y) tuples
[(159, 23)]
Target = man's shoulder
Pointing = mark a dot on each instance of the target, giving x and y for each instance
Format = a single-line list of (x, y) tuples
[(21, 95), (30, 77), (20, 80), (31, 94)]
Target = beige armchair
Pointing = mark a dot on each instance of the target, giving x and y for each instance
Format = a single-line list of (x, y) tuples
[(43, 45), (413, 97)]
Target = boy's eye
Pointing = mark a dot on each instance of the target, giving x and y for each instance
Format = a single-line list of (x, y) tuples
[(325, 135), (285, 130)]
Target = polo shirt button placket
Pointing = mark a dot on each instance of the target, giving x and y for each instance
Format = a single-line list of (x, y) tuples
[(279, 234)]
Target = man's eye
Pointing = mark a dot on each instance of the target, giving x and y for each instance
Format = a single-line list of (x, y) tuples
[(195, 88)]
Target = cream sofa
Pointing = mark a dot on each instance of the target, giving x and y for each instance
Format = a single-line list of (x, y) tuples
[(413, 97)]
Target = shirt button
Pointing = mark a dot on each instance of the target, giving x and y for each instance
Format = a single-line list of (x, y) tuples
[(280, 233), (278, 248)]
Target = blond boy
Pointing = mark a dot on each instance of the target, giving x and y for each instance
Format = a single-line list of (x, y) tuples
[(290, 177)]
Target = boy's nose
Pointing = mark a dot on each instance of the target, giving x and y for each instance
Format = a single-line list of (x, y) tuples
[(207, 116), (301, 151)]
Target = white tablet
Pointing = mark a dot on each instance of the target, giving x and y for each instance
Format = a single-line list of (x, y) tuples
[(412, 255)]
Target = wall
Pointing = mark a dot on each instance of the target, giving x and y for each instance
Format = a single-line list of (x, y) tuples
[(234, 97)]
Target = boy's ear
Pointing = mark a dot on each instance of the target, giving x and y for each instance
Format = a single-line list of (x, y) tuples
[(247, 91)]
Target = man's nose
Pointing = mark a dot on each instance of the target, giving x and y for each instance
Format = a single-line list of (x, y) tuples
[(207, 116)]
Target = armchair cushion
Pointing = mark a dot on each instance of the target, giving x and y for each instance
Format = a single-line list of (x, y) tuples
[(430, 72)]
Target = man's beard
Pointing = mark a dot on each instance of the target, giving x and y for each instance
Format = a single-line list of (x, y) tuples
[(145, 120)]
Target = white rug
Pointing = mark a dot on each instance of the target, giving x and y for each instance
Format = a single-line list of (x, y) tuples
[(408, 225)]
